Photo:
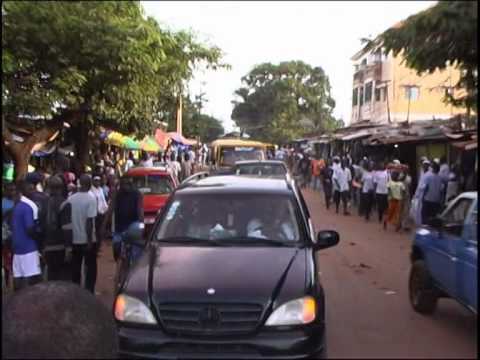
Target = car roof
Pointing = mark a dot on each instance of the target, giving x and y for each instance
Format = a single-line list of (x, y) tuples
[(147, 170), (236, 142), (269, 162), (237, 184)]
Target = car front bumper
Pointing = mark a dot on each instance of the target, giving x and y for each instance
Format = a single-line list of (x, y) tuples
[(308, 342)]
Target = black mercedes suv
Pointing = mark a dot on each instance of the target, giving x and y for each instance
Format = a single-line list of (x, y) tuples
[(229, 271)]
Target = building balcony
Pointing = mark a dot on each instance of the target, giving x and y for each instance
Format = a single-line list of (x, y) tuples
[(373, 71)]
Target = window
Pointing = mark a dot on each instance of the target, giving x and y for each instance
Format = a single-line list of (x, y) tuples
[(355, 97), (152, 184), (412, 93), (368, 92), (471, 223), (361, 96), (377, 94), (453, 219), (384, 91), (232, 217)]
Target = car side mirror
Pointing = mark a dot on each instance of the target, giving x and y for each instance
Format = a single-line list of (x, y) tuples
[(135, 233), (326, 239)]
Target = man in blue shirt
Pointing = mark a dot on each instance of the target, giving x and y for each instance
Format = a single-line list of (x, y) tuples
[(8, 202), (432, 194), (26, 256)]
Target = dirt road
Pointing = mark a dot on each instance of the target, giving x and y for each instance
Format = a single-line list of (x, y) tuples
[(368, 312)]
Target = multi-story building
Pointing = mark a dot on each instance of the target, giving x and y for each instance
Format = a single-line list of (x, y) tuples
[(385, 90)]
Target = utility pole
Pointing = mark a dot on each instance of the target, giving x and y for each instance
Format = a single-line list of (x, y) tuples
[(409, 92), (388, 103), (179, 114)]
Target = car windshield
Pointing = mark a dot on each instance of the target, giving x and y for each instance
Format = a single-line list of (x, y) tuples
[(152, 184), (231, 218), (261, 169), (230, 155)]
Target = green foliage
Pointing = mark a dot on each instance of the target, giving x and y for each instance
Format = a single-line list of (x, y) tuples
[(104, 57), (281, 102), (432, 39)]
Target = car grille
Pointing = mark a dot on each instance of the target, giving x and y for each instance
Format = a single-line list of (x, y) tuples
[(227, 349), (209, 318)]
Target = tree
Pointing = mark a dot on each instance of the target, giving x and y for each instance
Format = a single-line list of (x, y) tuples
[(87, 64), (442, 35), (281, 102)]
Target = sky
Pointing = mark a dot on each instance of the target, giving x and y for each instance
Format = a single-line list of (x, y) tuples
[(320, 33)]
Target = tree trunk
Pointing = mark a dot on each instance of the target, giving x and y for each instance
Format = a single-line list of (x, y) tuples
[(21, 151), (82, 145)]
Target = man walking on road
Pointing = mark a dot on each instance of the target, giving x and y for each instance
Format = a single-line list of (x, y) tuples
[(84, 211), (102, 206), (26, 254), (342, 177), (417, 202), (433, 191), (125, 208), (327, 174), (367, 190), (380, 179)]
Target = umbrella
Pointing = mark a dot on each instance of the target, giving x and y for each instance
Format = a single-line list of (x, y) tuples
[(149, 144), (130, 144), (115, 139)]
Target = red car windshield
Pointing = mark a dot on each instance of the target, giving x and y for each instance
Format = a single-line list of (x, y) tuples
[(152, 184)]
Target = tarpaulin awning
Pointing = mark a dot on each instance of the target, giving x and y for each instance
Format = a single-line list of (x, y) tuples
[(180, 139)]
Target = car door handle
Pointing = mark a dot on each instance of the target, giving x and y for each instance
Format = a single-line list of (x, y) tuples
[(453, 258)]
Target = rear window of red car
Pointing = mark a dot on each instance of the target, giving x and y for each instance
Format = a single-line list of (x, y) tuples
[(152, 184)]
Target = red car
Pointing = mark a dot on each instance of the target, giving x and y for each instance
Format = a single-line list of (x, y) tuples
[(156, 184)]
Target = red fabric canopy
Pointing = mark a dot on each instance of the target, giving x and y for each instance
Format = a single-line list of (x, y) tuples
[(162, 138)]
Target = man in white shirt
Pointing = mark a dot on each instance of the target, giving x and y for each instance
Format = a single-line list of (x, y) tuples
[(341, 178), (98, 194), (380, 180), (84, 211)]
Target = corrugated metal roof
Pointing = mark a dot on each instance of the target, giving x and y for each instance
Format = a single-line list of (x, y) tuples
[(356, 135)]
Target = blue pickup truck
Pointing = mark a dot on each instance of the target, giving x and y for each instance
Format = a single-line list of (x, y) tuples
[(444, 257)]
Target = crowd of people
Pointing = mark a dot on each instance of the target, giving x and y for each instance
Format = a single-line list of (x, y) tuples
[(53, 222), (381, 187)]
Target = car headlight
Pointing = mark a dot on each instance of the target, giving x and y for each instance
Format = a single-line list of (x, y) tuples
[(295, 312), (129, 309)]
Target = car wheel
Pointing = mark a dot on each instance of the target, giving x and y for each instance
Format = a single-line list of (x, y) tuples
[(422, 292)]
